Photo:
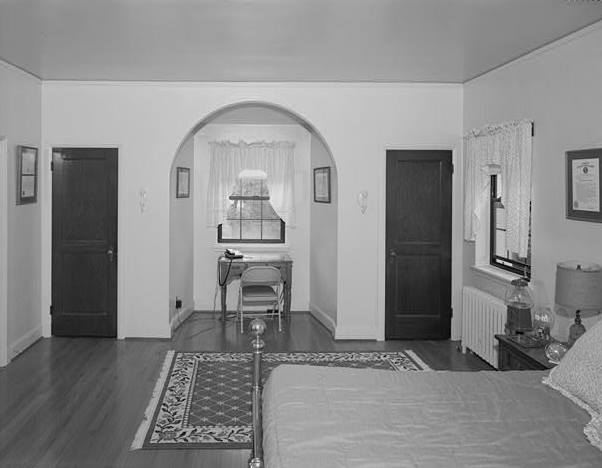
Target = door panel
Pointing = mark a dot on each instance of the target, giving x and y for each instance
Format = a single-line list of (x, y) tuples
[(84, 242), (418, 267)]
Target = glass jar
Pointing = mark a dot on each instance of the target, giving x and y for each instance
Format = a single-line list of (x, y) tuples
[(543, 321), (519, 302)]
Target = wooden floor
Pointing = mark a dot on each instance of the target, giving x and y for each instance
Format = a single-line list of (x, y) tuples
[(77, 402)]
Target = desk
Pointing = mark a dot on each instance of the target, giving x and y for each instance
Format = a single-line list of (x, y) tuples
[(281, 261)]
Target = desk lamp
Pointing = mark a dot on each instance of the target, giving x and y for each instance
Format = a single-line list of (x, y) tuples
[(578, 287)]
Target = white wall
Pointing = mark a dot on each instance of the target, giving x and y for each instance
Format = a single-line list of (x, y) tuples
[(20, 123), (148, 122), (181, 235), (323, 243), (560, 88), (296, 238), (3, 251)]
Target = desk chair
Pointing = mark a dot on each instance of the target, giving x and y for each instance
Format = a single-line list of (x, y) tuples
[(260, 286)]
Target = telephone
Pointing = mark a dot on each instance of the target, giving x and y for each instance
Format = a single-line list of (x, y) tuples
[(232, 254)]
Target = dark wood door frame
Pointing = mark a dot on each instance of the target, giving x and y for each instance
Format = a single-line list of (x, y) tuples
[(111, 166)]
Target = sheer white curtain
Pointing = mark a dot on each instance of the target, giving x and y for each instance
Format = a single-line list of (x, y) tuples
[(228, 159), (504, 149)]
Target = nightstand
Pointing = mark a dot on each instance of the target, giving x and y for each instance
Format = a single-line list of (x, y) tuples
[(512, 356)]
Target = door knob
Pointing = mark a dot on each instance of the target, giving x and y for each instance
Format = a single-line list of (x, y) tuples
[(392, 256), (110, 254)]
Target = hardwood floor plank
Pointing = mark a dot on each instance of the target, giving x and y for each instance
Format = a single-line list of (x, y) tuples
[(77, 402)]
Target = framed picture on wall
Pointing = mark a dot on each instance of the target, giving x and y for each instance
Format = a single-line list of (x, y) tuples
[(27, 175), (183, 182), (322, 185), (583, 185)]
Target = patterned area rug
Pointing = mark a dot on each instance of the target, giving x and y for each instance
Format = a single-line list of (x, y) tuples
[(203, 400)]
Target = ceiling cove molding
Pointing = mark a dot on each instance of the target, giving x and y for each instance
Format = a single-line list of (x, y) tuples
[(550, 46), (21, 69)]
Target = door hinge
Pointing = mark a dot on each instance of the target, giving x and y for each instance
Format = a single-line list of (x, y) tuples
[(532, 129), (51, 310), (452, 168), (51, 166)]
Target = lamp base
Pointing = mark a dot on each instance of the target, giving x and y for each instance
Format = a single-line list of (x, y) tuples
[(576, 329)]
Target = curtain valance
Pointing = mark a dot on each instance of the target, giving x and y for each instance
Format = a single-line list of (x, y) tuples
[(504, 149), (229, 159)]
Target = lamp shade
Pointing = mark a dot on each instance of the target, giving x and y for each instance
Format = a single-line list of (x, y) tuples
[(579, 285)]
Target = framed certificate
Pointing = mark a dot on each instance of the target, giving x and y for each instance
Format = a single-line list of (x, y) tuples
[(27, 175), (183, 182), (322, 185), (583, 185)]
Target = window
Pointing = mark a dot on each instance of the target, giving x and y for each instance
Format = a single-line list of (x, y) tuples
[(251, 217), (500, 256)]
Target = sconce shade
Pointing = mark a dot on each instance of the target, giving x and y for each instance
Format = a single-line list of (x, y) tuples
[(579, 285)]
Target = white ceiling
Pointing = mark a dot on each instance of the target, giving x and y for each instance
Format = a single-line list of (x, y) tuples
[(280, 40)]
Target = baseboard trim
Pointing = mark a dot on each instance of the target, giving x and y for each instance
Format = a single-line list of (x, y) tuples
[(323, 318), (178, 319), (354, 333), (24, 342)]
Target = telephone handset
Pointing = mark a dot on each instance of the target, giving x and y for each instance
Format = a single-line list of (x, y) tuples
[(232, 254)]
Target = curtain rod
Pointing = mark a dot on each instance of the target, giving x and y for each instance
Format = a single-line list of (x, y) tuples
[(493, 129), (254, 143)]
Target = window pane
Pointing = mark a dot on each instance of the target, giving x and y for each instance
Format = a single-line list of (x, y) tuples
[(268, 211), (500, 243), (271, 229), (233, 211), (251, 229), (251, 187), (251, 209), (500, 218), (231, 229)]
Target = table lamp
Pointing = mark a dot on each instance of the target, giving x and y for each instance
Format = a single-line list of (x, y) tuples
[(578, 287)]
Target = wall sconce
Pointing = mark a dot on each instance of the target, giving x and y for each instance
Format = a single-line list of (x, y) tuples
[(362, 200), (143, 199)]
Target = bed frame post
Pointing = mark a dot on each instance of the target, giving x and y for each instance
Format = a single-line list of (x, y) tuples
[(257, 328)]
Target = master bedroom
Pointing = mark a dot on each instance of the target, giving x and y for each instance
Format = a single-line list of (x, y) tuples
[(289, 234)]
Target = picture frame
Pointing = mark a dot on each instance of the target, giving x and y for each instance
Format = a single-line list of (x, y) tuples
[(584, 185), (322, 184), (182, 182), (27, 175)]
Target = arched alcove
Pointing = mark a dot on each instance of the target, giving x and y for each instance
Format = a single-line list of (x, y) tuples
[(311, 242)]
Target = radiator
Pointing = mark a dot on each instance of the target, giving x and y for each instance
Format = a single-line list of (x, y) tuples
[(483, 316)]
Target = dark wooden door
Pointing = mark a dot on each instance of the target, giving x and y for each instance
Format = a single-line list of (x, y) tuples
[(84, 242), (418, 241)]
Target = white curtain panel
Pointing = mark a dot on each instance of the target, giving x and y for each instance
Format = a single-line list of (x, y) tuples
[(505, 149), (229, 159)]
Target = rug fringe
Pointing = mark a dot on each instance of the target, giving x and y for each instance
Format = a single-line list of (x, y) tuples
[(419, 361), (150, 409)]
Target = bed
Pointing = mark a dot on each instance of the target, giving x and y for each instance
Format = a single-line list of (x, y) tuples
[(341, 418)]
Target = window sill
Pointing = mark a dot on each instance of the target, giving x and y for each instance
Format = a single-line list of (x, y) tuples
[(497, 274), (245, 248)]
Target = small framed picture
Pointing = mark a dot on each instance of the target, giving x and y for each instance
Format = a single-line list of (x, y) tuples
[(182, 182), (27, 175), (583, 185), (322, 185)]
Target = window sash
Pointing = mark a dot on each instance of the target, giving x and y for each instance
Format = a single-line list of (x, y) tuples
[(261, 220), (281, 240), (501, 261)]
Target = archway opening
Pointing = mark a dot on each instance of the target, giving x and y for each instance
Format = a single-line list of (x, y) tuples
[(196, 241)]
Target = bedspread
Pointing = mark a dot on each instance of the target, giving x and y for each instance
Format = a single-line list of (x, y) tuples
[(340, 418)]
